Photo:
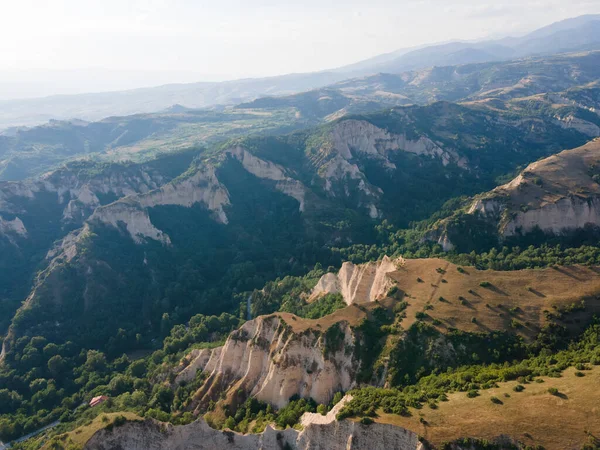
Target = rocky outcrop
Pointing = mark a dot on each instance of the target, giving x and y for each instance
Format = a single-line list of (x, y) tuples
[(193, 362), (202, 187), (352, 137), (134, 218), (14, 227), (342, 435), (350, 141), (361, 283), (338, 172), (564, 215), (583, 126), (266, 359), (320, 419), (557, 195), (267, 170), (79, 194)]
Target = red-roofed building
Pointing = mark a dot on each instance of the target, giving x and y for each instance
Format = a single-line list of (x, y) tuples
[(98, 400)]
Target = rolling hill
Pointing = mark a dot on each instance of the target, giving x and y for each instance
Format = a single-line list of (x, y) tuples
[(579, 34)]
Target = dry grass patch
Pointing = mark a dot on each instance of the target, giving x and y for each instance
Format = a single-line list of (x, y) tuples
[(353, 314), (497, 300), (81, 435), (533, 416)]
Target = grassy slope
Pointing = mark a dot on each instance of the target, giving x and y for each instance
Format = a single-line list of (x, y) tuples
[(560, 287), (532, 416)]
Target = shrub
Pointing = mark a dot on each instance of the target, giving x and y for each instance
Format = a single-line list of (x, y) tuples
[(472, 393), (496, 400), (366, 421), (473, 319), (119, 421), (579, 374), (400, 307), (519, 388), (460, 270), (553, 391), (485, 284), (420, 315), (419, 280)]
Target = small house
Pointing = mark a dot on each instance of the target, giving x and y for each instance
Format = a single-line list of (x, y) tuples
[(98, 400)]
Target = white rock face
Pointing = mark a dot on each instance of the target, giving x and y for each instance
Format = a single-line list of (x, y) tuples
[(361, 283), (361, 136), (270, 171), (270, 362), (134, 218), (558, 193), (319, 419), (487, 207), (202, 187), (14, 227), (566, 214), (196, 360), (80, 196), (583, 126), (343, 435)]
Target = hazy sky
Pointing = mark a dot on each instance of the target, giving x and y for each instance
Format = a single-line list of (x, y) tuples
[(221, 39)]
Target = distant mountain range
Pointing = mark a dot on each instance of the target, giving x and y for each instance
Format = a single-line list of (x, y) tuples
[(577, 34)]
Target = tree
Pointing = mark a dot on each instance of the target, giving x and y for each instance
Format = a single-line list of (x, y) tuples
[(95, 362), (138, 368), (9, 400), (229, 423), (120, 384), (57, 365)]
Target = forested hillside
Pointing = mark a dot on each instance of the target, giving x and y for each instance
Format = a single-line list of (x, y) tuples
[(329, 242)]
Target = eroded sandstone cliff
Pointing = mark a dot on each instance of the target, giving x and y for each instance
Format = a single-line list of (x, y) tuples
[(342, 435), (268, 360), (360, 283), (557, 195)]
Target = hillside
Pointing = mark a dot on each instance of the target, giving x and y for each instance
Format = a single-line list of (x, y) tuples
[(292, 270), (278, 357), (556, 196), (560, 88), (30, 152), (504, 80), (578, 34), (533, 416), (363, 168), (388, 343)]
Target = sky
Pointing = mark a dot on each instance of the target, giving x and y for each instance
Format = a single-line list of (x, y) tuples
[(112, 43)]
